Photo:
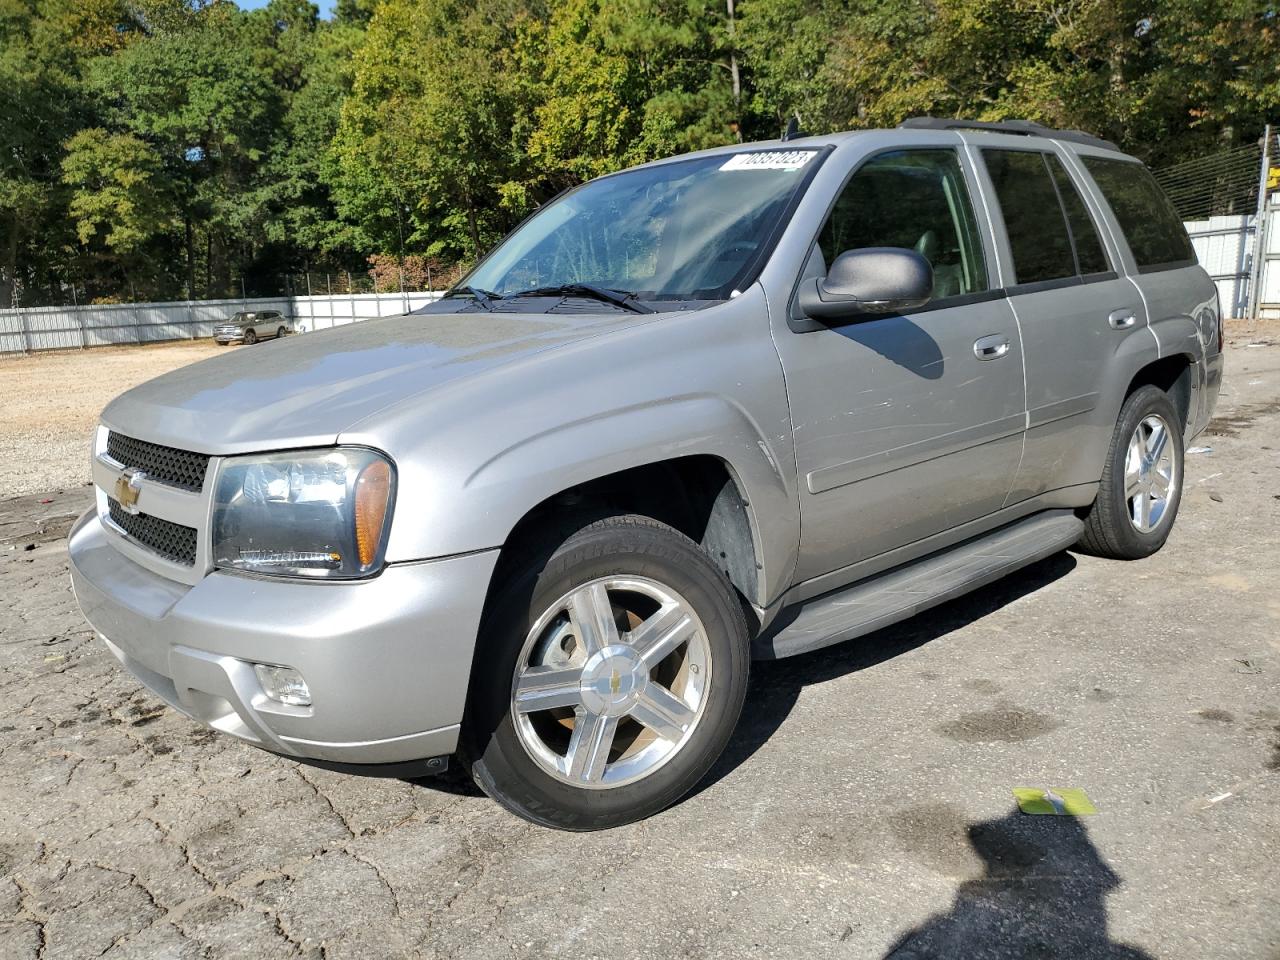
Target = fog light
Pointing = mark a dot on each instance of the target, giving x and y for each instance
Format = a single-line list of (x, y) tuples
[(283, 685)]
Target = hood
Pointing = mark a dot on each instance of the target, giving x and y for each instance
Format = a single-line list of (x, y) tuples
[(305, 390)]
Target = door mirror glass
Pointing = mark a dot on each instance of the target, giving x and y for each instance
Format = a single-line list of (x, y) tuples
[(871, 280)]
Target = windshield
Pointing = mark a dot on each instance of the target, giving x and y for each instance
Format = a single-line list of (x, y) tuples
[(694, 229)]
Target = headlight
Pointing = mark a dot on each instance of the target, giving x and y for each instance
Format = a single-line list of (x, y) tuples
[(304, 513)]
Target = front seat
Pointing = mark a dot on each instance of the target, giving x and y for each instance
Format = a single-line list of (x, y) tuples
[(946, 277)]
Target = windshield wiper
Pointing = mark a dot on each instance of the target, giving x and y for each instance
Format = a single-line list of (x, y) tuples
[(483, 297), (619, 298)]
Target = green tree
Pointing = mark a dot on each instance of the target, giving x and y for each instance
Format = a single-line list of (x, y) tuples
[(262, 142), (44, 46), (426, 137), (117, 201), (199, 88)]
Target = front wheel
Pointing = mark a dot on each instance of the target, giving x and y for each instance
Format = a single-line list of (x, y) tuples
[(1141, 484), (608, 679), (250, 337)]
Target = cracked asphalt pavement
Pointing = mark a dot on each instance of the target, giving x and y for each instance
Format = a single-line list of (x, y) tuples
[(863, 809)]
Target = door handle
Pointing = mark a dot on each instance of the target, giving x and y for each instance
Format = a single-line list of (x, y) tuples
[(991, 348), (1120, 319)]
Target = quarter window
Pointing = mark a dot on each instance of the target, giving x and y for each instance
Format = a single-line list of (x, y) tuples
[(1150, 223), (915, 199)]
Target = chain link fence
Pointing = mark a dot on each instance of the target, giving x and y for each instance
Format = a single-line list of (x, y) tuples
[(1222, 201), (1221, 185)]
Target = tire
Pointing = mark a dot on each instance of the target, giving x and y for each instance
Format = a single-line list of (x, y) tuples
[(528, 625), (250, 337), (1115, 527), (280, 332)]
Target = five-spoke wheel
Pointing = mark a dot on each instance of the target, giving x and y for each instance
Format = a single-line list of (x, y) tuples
[(1150, 472), (1141, 483), (611, 681), (609, 676)]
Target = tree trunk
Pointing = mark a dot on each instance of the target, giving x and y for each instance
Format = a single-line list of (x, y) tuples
[(8, 283), (475, 228), (733, 69), (191, 256)]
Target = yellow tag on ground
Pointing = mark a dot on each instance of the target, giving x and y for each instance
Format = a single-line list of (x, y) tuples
[(1055, 801)]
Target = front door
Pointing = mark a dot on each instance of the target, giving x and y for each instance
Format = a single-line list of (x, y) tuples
[(904, 425)]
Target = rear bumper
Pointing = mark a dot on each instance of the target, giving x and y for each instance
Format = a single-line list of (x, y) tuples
[(387, 660)]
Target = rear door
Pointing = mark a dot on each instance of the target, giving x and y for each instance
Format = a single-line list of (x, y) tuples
[(904, 425), (1073, 308), (1180, 297)]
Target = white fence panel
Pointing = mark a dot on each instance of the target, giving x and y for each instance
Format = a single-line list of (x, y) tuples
[(100, 325), (1269, 303), (1224, 246), (322, 312)]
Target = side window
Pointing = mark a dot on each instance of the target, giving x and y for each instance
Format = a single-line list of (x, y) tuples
[(1038, 236), (1150, 223), (915, 199), (1090, 257)]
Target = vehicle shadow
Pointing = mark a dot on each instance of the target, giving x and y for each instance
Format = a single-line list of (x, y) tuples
[(776, 684), (898, 340), (456, 781), (1042, 893)]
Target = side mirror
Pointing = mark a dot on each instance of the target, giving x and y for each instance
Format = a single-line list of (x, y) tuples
[(869, 280)]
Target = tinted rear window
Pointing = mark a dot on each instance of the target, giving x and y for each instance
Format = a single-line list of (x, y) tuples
[(1038, 235), (1150, 224)]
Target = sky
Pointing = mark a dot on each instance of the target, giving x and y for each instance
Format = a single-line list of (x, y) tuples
[(326, 6)]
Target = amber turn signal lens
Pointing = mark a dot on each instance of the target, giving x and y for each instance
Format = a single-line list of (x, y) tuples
[(373, 495)]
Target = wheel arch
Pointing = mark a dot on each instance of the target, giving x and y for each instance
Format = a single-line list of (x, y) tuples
[(1176, 376), (700, 495), (696, 462)]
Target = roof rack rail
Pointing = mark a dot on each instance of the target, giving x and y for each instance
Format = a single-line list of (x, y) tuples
[(1025, 128)]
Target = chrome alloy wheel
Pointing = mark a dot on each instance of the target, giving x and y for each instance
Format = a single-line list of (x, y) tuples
[(611, 682), (1150, 473)]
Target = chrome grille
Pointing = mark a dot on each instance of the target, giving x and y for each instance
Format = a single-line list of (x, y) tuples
[(177, 468), (172, 541)]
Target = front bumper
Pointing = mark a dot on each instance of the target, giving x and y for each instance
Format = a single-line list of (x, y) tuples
[(228, 336), (387, 660)]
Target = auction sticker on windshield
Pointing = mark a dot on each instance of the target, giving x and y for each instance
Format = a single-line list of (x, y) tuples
[(769, 160)]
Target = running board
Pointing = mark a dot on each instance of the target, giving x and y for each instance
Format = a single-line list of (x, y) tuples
[(898, 594)]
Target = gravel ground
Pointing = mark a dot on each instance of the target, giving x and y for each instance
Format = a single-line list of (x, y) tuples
[(863, 809), (49, 405)]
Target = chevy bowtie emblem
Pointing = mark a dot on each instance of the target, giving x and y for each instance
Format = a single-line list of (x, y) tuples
[(128, 487), (615, 682)]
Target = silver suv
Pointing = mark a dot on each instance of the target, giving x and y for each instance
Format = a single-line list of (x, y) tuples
[(739, 404), (249, 326)]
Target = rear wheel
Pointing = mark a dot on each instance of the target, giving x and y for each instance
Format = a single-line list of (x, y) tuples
[(1141, 484), (280, 332), (608, 678)]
